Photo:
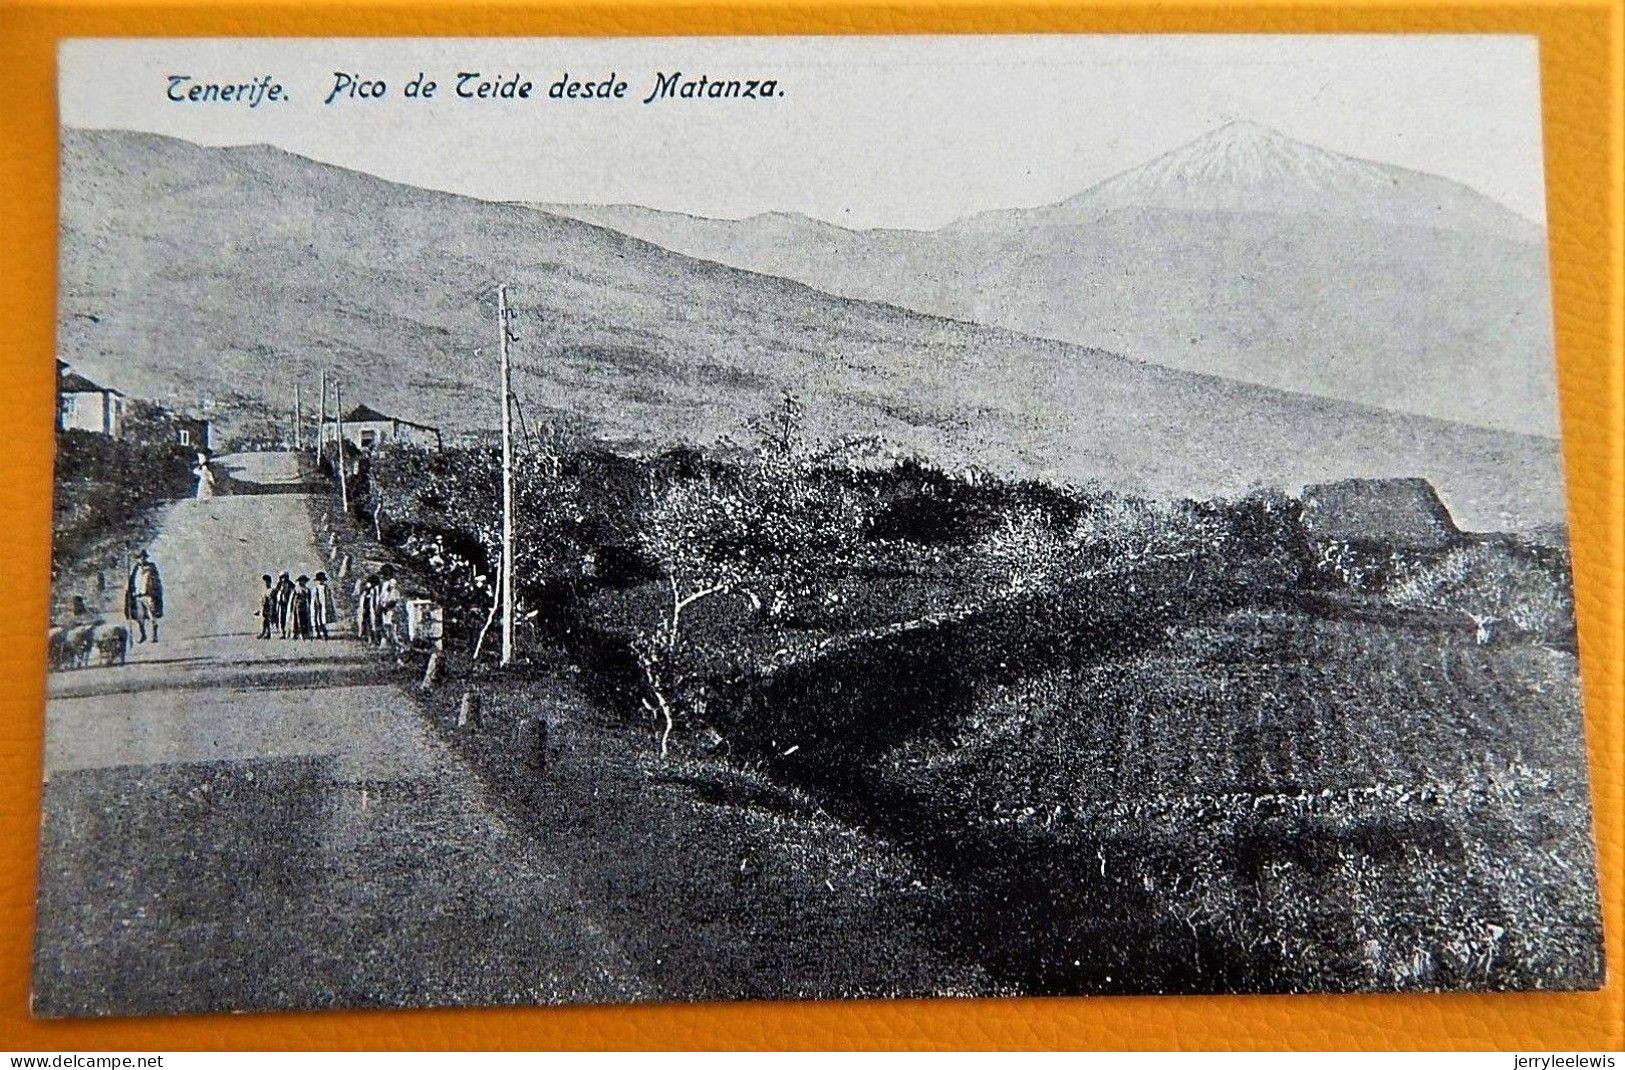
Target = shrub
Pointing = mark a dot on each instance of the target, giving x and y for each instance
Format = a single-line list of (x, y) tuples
[(103, 484), (1489, 580), (444, 508)]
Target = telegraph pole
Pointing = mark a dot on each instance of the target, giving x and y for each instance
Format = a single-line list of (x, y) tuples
[(298, 417), (507, 479), (338, 444), (321, 422)]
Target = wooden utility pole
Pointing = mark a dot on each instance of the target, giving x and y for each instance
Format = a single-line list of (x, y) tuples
[(507, 479), (298, 417), (321, 422), (338, 445)]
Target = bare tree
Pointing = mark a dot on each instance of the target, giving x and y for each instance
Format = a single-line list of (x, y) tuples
[(695, 531), (756, 530)]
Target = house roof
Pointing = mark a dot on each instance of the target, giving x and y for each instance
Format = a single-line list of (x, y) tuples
[(1399, 511), (367, 414), (74, 383)]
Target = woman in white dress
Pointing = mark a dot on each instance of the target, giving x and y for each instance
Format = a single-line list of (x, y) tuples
[(205, 476)]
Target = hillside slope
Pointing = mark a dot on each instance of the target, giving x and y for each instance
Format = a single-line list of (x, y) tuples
[(1244, 254), (193, 273)]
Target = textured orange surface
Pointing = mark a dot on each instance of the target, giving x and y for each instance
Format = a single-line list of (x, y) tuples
[(1582, 97)]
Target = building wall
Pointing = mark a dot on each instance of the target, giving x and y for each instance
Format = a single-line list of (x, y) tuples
[(188, 431), (98, 411), (155, 426), (417, 436), (366, 434), (196, 433), (1402, 512)]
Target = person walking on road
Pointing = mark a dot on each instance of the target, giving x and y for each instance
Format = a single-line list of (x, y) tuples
[(366, 608), (206, 478), (299, 609), (322, 610), (391, 609), (267, 612), (144, 596), (284, 599)]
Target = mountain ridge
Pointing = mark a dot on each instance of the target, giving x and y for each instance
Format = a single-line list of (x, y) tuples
[(219, 272), (1387, 287)]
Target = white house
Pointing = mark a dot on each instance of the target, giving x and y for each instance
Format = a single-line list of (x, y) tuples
[(366, 428), (84, 406)]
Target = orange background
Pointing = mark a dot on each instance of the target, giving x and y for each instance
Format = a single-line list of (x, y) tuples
[(1580, 44)]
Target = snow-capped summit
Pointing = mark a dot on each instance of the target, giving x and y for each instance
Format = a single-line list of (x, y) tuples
[(1245, 167), (1241, 161)]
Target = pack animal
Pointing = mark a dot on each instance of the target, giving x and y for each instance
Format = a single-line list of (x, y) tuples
[(57, 651), (110, 644), (77, 646), (70, 646)]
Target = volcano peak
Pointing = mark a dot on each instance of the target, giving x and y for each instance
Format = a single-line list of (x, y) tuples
[(1247, 167)]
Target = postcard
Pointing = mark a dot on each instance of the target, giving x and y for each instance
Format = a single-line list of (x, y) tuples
[(606, 520)]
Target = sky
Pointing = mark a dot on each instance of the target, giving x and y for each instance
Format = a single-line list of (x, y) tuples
[(864, 132)]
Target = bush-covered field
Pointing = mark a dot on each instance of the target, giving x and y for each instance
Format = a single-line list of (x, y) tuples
[(103, 488), (1155, 745), (1288, 801)]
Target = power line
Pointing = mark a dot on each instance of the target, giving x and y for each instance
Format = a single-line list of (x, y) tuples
[(532, 437)]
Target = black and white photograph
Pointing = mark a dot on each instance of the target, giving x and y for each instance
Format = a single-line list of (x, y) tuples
[(560, 521)]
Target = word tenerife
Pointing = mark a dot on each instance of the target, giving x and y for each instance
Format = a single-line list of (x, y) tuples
[(184, 89)]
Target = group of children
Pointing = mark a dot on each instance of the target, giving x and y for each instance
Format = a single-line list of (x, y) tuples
[(296, 609), (302, 609)]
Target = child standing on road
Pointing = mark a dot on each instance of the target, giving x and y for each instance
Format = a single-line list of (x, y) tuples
[(322, 611), (282, 609), (299, 608), (391, 624), (366, 608), (267, 611)]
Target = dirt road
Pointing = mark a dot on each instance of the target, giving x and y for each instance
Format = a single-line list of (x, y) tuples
[(232, 821)]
